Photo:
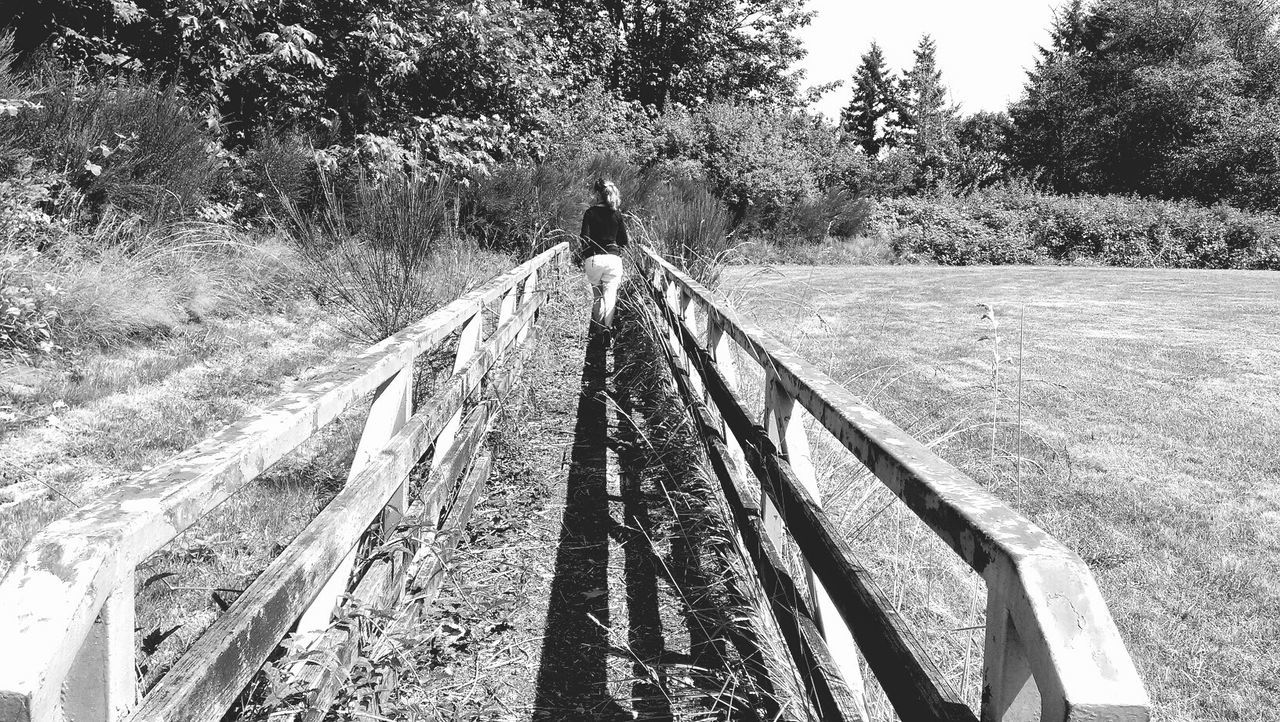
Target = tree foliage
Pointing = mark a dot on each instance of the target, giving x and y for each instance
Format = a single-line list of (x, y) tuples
[(871, 115), (927, 118), (684, 51), (336, 67), (1171, 98)]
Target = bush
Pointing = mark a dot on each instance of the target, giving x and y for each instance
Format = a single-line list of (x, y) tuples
[(521, 207), (835, 213), (1016, 226), (277, 166), (389, 254), (28, 306), (690, 226), (132, 146), (25, 199)]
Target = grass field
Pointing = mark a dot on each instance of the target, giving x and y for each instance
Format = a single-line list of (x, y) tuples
[(1148, 440), (102, 416)]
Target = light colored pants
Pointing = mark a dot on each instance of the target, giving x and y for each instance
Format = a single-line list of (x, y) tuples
[(604, 271)]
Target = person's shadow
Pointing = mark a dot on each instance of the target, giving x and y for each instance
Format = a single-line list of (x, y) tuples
[(572, 678)]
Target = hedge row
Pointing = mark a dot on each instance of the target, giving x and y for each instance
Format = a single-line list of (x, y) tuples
[(1012, 226)]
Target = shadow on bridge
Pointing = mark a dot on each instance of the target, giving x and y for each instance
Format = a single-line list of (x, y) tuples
[(572, 680), (578, 651)]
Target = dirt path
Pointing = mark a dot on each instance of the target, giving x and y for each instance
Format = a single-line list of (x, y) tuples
[(591, 582)]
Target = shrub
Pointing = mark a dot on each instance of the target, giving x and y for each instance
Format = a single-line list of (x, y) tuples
[(24, 200), (388, 255), (28, 307), (521, 206), (1016, 226), (835, 213), (277, 165), (134, 146), (755, 159), (690, 226)]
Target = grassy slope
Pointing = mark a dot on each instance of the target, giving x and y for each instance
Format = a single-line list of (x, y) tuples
[(117, 413), (1150, 444)]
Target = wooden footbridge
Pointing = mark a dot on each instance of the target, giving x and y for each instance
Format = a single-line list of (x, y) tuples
[(67, 607)]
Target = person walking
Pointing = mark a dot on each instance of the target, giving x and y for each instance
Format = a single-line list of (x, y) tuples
[(604, 235)]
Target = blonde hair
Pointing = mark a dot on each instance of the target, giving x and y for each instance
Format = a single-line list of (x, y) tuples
[(607, 193)]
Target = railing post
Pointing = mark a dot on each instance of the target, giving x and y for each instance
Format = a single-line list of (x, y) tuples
[(787, 434), (671, 295), (102, 683), (392, 406), (720, 345), (507, 308), (1009, 693), (530, 286), (687, 312), (468, 342)]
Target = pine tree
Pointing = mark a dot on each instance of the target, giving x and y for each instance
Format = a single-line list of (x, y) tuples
[(1067, 32), (870, 115), (926, 114)]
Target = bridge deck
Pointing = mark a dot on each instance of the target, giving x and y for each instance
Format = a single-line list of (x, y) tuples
[(591, 583)]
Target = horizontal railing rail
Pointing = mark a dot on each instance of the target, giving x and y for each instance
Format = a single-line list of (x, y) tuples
[(67, 604), (1052, 651)]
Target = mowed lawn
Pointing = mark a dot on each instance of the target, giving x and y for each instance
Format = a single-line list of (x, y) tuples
[(1149, 438)]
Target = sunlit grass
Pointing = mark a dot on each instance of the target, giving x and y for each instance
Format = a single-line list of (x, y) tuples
[(1149, 443)]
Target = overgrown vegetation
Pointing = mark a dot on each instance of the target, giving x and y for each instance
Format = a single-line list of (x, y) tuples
[(1004, 226)]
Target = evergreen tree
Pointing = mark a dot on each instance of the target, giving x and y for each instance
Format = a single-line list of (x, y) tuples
[(871, 115), (925, 112), (1067, 32), (1147, 97)]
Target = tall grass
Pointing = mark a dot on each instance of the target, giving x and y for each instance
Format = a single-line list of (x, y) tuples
[(123, 281), (520, 207), (689, 226), (130, 145), (389, 254)]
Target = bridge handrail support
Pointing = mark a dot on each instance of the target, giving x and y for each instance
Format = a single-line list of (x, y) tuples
[(1052, 649), (67, 603)]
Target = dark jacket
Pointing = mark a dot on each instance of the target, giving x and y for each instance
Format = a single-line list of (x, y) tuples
[(603, 231)]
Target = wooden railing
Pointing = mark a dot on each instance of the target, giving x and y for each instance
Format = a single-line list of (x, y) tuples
[(67, 605), (1052, 650)]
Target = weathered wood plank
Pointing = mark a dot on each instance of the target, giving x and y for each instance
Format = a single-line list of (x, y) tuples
[(213, 671), (382, 583), (433, 563), (391, 408), (829, 693), (1078, 659), (103, 683), (786, 430), (52, 594), (209, 676), (909, 678)]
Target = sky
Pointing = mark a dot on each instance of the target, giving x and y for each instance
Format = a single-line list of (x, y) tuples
[(984, 46)]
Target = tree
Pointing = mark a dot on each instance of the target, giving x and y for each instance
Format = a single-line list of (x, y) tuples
[(982, 143), (472, 78), (685, 51), (871, 115), (1146, 96), (926, 117), (926, 114)]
